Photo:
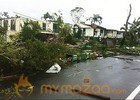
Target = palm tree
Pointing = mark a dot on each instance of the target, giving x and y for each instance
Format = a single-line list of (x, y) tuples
[(95, 19)]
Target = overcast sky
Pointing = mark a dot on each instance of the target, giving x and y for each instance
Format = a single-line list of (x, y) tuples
[(114, 12)]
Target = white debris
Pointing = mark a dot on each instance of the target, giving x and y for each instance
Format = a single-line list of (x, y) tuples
[(127, 47), (97, 70), (137, 60), (54, 69), (133, 47), (99, 58)]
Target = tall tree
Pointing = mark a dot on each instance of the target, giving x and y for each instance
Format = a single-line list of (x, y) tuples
[(96, 18), (56, 15), (125, 28), (76, 14)]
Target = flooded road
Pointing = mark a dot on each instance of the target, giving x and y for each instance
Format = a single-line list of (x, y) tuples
[(114, 77)]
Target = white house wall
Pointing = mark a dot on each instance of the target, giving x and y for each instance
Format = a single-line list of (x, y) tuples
[(89, 33), (120, 35), (102, 34), (97, 33), (112, 34)]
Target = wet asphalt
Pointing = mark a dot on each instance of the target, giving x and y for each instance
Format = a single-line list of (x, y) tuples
[(113, 77)]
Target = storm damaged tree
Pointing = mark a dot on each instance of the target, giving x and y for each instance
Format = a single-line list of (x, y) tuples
[(29, 31), (76, 14), (134, 33), (125, 28)]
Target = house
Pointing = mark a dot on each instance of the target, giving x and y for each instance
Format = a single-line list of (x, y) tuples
[(15, 24), (85, 30), (111, 33), (90, 30), (106, 36), (120, 34), (97, 31)]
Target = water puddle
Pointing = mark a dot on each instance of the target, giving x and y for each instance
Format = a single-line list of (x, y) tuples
[(138, 69), (126, 67)]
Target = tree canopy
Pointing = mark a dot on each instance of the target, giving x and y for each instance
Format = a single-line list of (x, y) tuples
[(96, 18), (76, 14), (29, 30)]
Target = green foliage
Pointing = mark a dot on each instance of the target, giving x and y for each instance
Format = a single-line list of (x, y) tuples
[(8, 93), (35, 55), (92, 42), (66, 30), (9, 58), (133, 35), (78, 34), (97, 46), (40, 56), (70, 39), (29, 30), (3, 31), (32, 56), (63, 29), (47, 15), (95, 19), (60, 26)]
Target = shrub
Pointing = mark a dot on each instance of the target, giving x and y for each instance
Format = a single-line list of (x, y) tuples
[(70, 39)]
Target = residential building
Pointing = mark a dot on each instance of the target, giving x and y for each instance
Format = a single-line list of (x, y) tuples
[(86, 30), (97, 31), (15, 24), (111, 33), (120, 34)]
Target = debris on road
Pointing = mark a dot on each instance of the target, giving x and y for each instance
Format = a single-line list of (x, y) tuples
[(54, 69), (90, 94)]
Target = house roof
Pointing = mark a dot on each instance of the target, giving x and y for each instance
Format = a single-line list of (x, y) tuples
[(111, 30), (82, 25), (92, 25)]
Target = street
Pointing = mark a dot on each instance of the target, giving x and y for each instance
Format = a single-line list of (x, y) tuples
[(113, 77)]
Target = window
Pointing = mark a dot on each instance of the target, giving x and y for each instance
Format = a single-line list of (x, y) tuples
[(44, 26), (6, 24), (84, 30), (55, 27), (102, 31), (13, 24)]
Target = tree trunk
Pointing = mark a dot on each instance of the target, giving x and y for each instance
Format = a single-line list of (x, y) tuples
[(126, 27)]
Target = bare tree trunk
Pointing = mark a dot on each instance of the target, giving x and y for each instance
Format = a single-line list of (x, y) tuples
[(126, 27)]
